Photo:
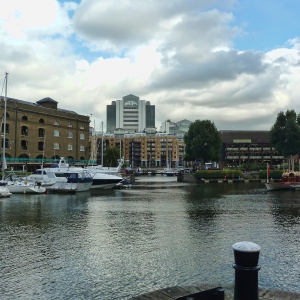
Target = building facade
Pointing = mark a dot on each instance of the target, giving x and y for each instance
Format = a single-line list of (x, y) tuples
[(242, 146), (130, 114), (143, 150), (41, 129)]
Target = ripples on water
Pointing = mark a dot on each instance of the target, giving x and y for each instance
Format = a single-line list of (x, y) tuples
[(121, 243)]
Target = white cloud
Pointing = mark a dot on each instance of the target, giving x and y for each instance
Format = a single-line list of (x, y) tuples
[(181, 57)]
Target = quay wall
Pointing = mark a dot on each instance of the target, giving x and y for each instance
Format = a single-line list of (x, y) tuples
[(191, 178)]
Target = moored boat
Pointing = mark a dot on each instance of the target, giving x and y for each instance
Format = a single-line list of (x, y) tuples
[(290, 181), (4, 191)]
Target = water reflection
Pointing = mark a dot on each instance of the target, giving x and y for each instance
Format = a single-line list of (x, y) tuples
[(119, 243)]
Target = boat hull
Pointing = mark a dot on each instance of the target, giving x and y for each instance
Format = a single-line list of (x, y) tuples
[(26, 189), (69, 187), (4, 192), (273, 186)]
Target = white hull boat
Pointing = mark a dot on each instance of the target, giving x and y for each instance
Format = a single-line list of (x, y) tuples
[(4, 191), (273, 186), (101, 180), (25, 187), (67, 181)]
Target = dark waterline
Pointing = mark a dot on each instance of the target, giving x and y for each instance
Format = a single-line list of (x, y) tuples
[(121, 243)]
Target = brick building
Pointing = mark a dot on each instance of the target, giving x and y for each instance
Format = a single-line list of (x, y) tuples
[(41, 128)]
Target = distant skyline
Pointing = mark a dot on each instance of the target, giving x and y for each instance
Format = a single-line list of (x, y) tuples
[(236, 63)]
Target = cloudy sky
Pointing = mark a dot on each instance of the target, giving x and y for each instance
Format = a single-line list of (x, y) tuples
[(236, 63)]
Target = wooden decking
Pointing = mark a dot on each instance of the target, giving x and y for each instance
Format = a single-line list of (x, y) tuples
[(175, 292)]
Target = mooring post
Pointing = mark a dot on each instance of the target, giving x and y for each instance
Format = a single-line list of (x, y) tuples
[(246, 255)]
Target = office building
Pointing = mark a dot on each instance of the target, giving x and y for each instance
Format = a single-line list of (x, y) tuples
[(130, 114)]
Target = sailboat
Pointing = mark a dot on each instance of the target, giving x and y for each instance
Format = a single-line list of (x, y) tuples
[(4, 191), (11, 184)]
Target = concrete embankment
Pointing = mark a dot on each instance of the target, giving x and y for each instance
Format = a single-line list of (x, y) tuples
[(191, 178), (175, 292)]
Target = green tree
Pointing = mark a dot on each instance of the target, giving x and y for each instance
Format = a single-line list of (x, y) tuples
[(202, 142), (111, 156), (285, 133)]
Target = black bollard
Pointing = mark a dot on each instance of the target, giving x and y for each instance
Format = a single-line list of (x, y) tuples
[(246, 255)]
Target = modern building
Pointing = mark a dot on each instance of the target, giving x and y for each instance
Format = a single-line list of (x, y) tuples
[(130, 114), (176, 128), (145, 149), (42, 130), (244, 146)]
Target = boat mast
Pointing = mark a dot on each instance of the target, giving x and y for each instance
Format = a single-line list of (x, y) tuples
[(4, 129), (43, 151), (102, 146)]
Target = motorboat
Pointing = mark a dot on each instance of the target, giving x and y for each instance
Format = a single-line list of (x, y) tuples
[(4, 191), (63, 180), (107, 170), (71, 182), (100, 180)]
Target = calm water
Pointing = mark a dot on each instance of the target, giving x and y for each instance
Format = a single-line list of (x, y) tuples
[(121, 243)]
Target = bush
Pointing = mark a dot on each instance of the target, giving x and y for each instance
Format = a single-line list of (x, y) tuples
[(275, 174)]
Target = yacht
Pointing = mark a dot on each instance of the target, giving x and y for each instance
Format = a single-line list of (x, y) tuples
[(100, 180)]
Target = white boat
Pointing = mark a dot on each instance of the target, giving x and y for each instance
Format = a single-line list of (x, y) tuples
[(15, 185), (71, 182), (272, 186), (24, 187), (169, 172), (100, 180), (107, 170), (4, 191), (66, 181)]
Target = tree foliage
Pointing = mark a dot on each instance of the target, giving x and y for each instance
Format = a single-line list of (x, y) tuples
[(285, 133), (111, 156), (203, 142)]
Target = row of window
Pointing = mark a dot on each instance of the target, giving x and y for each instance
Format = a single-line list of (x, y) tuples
[(24, 146), (41, 132), (42, 121)]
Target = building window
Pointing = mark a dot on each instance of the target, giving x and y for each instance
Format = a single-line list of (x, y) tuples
[(56, 146), (24, 145), (41, 146), (56, 123), (6, 128), (24, 130), (70, 125), (81, 127), (41, 132), (81, 148), (70, 147), (24, 118), (41, 120), (70, 135), (56, 132), (82, 136), (7, 144)]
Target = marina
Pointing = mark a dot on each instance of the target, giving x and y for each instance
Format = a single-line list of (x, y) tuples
[(119, 244)]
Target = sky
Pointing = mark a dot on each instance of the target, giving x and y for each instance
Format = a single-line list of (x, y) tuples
[(235, 63)]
